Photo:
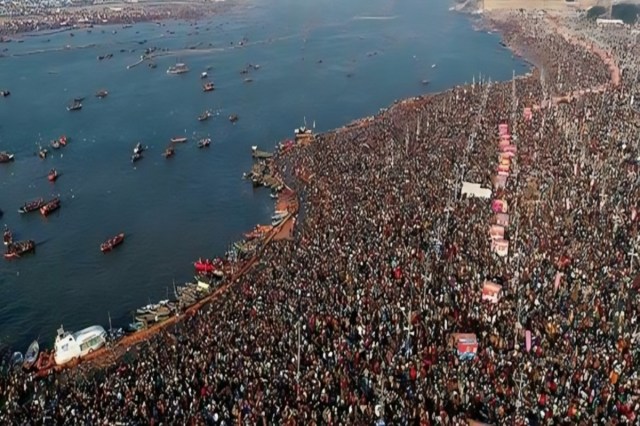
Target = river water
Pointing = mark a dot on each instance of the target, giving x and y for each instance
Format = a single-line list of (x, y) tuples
[(327, 61)]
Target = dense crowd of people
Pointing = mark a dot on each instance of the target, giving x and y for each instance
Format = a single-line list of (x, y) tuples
[(60, 18), (351, 323)]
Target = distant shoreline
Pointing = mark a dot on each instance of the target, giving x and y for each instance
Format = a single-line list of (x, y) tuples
[(109, 14)]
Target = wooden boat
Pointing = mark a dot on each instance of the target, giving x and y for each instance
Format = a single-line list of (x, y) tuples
[(18, 248), (75, 106), (53, 175), (50, 207), (102, 94), (7, 236), (136, 326), (138, 149), (253, 235), (179, 139), (204, 143), (42, 153), (208, 265), (5, 157), (31, 206), (17, 359), (169, 152), (31, 356), (112, 242), (204, 116), (208, 87)]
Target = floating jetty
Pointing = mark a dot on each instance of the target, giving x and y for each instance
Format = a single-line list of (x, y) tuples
[(261, 175)]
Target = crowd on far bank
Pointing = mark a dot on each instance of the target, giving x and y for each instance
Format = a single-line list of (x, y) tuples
[(52, 19), (352, 322)]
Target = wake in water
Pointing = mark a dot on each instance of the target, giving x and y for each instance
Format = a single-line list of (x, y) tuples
[(374, 18)]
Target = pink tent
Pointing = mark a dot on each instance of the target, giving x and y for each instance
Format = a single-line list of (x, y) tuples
[(496, 232), (491, 291), (499, 206), (502, 219), (500, 247)]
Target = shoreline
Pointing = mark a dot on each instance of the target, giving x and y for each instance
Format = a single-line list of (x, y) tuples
[(361, 122), (489, 21), (412, 107)]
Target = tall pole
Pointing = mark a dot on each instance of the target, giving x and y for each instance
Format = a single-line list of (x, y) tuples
[(298, 367)]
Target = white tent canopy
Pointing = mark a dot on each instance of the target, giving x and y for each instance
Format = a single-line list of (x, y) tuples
[(475, 190)]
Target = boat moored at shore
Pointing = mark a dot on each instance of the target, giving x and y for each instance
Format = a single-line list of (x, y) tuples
[(70, 346), (31, 356)]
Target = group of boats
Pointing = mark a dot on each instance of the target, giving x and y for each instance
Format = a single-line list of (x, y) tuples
[(45, 208), (185, 296), (16, 249), (170, 150), (55, 144), (68, 347), (76, 104)]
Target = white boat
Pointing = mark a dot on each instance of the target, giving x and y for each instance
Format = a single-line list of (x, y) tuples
[(70, 346), (178, 68), (204, 74)]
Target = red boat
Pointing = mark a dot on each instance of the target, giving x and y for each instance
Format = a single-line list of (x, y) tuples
[(50, 207), (63, 140), (208, 87), (53, 175), (208, 265), (112, 242)]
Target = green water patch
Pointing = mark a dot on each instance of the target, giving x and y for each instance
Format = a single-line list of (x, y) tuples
[(626, 12)]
